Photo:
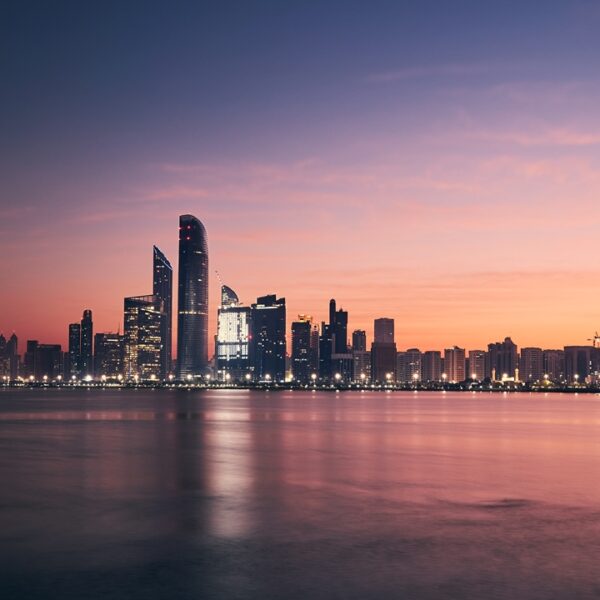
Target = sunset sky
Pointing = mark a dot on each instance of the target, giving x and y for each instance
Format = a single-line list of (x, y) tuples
[(435, 162)]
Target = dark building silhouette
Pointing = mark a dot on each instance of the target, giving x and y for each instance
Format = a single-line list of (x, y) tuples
[(384, 356), (314, 349), (554, 365), (325, 351), (74, 352), (338, 323), (12, 352), (43, 360), (301, 350), (431, 366), (86, 365), (162, 287), (578, 363), (232, 349), (361, 357), (477, 362), (359, 340), (455, 364), (268, 338), (383, 362), (531, 365), (384, 331), (192, 312), (142, 339), (333, 345), (503, 360), (108, 355), (412, 367)]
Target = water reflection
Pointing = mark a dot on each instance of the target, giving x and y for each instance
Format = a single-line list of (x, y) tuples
[(236, 494)]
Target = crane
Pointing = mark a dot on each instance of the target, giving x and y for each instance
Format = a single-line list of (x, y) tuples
[(595, 340)]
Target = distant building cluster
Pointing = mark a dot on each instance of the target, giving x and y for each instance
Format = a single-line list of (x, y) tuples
[(251, 344)]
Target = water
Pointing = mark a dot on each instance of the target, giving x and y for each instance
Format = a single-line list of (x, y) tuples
[(236, 494)]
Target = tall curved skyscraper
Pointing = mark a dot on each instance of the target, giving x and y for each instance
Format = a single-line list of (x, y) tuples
[(192, 308)]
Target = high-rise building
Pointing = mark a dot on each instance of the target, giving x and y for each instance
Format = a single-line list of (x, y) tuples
[(578, 363), (301, 363), (12, 351), (338, 321), (384, 330), (454, 364), (314, 350), (162, 287), (359, 340), (383, 352), (108, 355), (74, 350), (383, 362), (4, 361), (192, 313), (142, 339), (531, 365), (401, 367), (325, 351), (503, 360), (431, 366), (268, 338), (43, 360), (412, 365), (477, 365), (554, 365), (361, 369), (234, 325), (86, 365)]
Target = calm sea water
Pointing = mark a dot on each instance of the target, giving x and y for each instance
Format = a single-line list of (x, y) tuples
[(237, 494)]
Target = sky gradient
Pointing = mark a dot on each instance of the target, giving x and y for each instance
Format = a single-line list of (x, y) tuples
[(435, 164)]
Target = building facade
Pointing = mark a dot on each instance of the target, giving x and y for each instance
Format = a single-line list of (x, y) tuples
[(234, 325), (192, 309), (162, 287), (268, 338), (142, 338)]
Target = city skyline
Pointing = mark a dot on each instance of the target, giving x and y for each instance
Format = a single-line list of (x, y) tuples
[(444, 175), (160, 264)]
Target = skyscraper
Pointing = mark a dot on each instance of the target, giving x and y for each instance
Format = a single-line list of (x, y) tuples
[(477, 365), (359, 340), (162, 287), (454, 364), (384, 330), (578, 363), (431, 366), (531, 365), (412, 365), (74, 350), (268, 338), (12, 351), (503, 359), (192, 313), (86, 365), (232, 351), (383, 352), (142, 319), (108, 355), (301, 357), (554, 365)]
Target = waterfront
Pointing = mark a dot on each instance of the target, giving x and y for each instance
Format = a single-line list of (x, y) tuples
[(238, 494)]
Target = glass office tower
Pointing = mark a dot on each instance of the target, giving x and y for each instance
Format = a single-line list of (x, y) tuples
[(192, 312)]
